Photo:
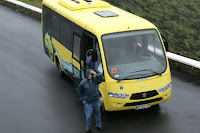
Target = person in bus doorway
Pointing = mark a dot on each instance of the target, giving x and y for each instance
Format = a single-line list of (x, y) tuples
[(89, 95), (89, 59), (91, 64)]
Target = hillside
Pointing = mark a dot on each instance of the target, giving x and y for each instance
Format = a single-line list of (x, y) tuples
[(178, 20)]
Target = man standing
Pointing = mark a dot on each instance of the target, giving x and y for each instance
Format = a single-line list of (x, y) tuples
[(88, 93)]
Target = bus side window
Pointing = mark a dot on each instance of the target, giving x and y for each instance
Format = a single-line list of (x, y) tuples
[(56, 26), (66, 35), (76, 54), (76, 48), (98, 63), (44, 17), (46, 20)]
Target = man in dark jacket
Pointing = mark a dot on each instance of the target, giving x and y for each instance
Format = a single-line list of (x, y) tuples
[(88, 93)]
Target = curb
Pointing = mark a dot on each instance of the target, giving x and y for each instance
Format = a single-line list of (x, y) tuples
[(180, 63)]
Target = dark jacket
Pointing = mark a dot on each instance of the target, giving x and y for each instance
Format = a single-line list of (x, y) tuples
[(87, 91)]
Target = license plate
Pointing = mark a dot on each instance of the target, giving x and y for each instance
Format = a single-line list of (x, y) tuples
[(142, 106)]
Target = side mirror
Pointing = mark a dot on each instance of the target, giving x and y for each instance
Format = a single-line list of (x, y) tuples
[(165, 41), (94, 55)]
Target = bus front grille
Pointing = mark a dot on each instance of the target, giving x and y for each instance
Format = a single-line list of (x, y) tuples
[(143, 102), (147, 94)]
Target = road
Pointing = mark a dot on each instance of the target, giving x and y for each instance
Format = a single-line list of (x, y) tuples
[(35, 99)]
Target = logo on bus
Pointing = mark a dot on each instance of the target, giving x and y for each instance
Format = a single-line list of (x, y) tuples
[(144, 95), (121, 88)]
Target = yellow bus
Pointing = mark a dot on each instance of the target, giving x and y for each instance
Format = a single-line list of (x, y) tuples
[(127, 49)]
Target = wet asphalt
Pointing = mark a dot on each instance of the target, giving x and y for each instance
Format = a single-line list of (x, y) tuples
[(35, 99)]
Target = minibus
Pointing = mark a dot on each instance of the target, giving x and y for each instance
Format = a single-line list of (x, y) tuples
[(128, 50)]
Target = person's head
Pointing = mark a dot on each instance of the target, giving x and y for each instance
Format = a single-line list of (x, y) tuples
[(88, 74)]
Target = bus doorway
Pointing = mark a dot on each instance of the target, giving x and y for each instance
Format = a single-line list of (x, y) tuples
[(89, 48)]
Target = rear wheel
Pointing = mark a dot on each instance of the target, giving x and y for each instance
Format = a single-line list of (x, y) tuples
[(59, 69)]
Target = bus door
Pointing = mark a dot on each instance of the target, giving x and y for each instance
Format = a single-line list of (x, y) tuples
[(89, 46), (76, 58)]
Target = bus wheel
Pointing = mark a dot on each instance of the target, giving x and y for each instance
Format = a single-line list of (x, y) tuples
[(102, 105), (60, 70), (156, 108)]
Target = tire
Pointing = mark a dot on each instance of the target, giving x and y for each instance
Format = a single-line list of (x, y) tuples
[(156, 108), (102, 107), (61, 73)]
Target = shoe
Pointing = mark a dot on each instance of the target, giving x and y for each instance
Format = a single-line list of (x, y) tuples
[(88, 131), (100, 128)]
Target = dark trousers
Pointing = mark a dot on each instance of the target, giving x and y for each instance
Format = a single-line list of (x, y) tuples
[(89, 108)]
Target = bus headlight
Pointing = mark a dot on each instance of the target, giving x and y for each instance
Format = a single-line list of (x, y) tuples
[(166, 87), (118, 95)]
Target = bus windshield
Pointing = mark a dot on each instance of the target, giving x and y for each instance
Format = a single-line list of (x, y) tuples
[(134, 54)]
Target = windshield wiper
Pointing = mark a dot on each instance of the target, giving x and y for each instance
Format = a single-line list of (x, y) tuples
[(132, 74), (139, 74), (157, 73), (148, 70), (128, 77)]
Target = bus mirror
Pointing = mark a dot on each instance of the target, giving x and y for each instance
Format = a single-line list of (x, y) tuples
[(166, 46), (94, 55), (165, 41)]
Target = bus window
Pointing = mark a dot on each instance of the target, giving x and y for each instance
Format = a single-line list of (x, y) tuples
[(46, 21), (76, 48), (66, 34), (44, 17), (98, 64), (154, 45), (124, 53), (76, 55), (56, 26)]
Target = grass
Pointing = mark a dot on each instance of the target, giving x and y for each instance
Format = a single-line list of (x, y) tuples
[(36, 3)]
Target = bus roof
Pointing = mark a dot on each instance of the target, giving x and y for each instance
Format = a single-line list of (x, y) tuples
[(97, 16)]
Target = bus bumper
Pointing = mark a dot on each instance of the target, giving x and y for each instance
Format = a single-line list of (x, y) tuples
[(115, 104)]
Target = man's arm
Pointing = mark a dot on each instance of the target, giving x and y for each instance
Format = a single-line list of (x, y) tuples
[(98, 78)]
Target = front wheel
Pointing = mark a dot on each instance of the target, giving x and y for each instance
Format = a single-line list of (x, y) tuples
[(156, 108), (102, 105)]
